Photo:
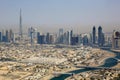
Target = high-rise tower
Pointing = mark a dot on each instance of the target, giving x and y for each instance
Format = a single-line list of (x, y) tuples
[(116, 40), (101, 39), (60, 40), (20, 32), (94, 35), (99, 35)]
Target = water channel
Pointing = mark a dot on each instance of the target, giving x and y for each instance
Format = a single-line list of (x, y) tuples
[(110, 62)]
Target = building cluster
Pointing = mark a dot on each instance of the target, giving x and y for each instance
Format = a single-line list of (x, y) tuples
[(31, 34), (45, 39), (98, 39), (69, 38), (7, 36), (95, 38)]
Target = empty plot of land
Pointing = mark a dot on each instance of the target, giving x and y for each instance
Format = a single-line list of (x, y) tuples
[(44, 60)]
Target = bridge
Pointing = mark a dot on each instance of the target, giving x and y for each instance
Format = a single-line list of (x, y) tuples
[(62, 73), (118, 60)]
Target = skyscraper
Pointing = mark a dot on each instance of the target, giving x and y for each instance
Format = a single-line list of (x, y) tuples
[(100, 36), (11, 35), (116, 40), (69, 35), (65, 38), (7, 36), (38, 34), (48, 38), (94, 35), (79, 39), (41, 39), (60, 31), (60, 38), (20, 26), (85, 40), (74, 40), (3, 36), (31, 35), (0, 36)]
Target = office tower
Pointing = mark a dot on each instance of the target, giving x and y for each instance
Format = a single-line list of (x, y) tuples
[(116, 40), (0, 36), (60, 38), (7, 36), (38, 34), (11, 35), (103, 39), (100, 36), (55, 38), (70, 34), (109, 42), (91, 39), (113, 40), (85, 40), (51, 39), (65, 38), (29, 32), (32, 31), (94, 35), (48, 38), (74, 40), (3, 36), (31, 35), (60, 31), (20, 25), (80, 39), (69, 37), (41, 39)]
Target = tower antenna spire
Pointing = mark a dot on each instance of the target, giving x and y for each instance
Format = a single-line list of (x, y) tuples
[(21, 34)]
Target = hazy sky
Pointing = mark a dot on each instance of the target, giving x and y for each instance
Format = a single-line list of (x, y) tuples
[(49, 15)]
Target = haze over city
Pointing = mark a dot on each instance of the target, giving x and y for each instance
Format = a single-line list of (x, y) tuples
[(59, 40), (79, 15)]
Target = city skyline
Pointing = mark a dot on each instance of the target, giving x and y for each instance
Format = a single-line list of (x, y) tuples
[(68, 14)]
